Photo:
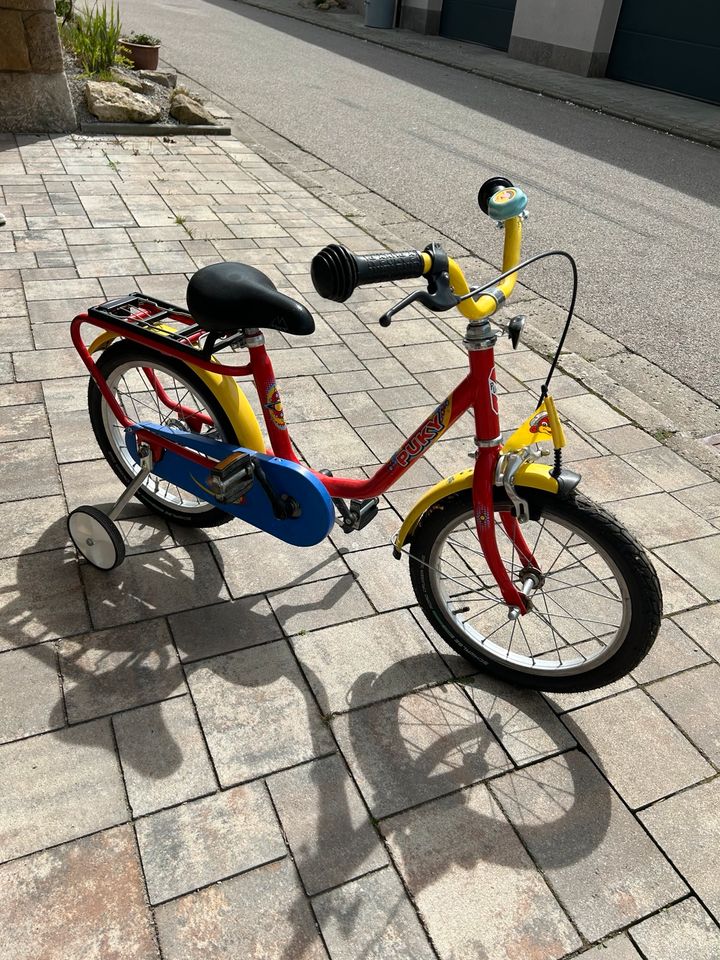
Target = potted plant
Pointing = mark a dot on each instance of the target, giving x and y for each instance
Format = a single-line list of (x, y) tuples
[(142, 50)]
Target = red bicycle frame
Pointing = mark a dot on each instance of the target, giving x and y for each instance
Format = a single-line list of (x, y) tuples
[(478, 391)]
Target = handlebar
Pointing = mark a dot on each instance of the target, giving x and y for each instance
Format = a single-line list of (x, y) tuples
[(337, 272)]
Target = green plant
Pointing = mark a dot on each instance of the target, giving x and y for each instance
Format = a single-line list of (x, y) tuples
[(144, 39), (64, 9), (93, 35)]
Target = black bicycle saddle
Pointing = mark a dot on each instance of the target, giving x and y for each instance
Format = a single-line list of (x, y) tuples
[(226, 297)]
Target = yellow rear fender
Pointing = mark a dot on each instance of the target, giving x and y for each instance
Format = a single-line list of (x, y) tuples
[(225, 390), (535, 476)]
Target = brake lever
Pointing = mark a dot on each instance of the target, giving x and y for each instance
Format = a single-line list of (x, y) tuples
[(439, 295)]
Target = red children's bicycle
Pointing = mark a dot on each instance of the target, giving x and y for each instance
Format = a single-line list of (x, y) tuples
[(513, 567)]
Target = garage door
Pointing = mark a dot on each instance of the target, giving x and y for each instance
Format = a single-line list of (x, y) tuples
[(481, 21), (669, 45)]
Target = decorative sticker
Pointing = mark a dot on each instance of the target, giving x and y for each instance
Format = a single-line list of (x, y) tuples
[(435, 425), (540, 424), (274, 407), (504, 196), (492, 385)]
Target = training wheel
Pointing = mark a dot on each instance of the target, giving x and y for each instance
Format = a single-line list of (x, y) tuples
[(96, 537)]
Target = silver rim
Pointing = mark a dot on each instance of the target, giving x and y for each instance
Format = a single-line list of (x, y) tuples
[(93, 540), (139, 400), (580, 613)]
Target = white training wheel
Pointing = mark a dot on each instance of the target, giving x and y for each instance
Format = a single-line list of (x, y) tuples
[(96, 537)]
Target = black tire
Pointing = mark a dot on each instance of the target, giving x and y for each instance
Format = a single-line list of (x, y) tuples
[(635, 588), (118, 355)]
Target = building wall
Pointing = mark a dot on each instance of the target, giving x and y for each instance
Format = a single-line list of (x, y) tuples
[(565, 34), (423, 16), (34, 95)]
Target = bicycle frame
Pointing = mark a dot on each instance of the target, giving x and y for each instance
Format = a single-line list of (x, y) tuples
[(476, 392)]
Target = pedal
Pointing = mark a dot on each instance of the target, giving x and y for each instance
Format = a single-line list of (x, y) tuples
[(231, 479), (359, 514)]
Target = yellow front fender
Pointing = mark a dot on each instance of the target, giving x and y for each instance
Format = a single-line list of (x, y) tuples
[(534, 475), (225, 390)]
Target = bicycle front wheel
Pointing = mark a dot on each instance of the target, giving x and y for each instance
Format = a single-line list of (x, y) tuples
[(593, 617), (137, 378)]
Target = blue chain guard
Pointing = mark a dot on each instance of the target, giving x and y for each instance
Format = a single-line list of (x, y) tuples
[(317, 513)]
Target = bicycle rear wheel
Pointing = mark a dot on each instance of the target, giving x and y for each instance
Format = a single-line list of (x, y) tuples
[(128, 368), (593, 616)]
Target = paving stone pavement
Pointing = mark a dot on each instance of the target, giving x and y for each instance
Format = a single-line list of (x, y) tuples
[(230, 748)]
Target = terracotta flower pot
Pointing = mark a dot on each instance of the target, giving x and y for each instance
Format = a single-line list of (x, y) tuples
[(143, 56)]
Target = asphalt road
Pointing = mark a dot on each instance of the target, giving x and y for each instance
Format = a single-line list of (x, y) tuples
[(636, 207)]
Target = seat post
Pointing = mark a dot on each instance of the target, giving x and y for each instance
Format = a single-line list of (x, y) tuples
[(269, 395)]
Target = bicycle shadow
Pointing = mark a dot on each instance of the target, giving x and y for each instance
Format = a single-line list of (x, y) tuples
[(131, 663)]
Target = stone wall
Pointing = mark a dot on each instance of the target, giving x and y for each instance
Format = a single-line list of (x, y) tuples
[(34, 95)]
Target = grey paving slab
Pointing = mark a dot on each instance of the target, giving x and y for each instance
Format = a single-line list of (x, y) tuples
[(672, 652), (371, 918), (423, 745), (475, 887), (564, 702), (66, 403), (83, 899), (153, 584), (619, 948), (683, 930), (599, 861), (13, 394), (28, 469), (113, 670), (666, 468), (687, 828), (703, 499), (332, 444), (31, 525), (223, 627), (326, 824), (649, 760), (30, 692), (520, 719), (256, 563), (59, 786), (610, 478), (659, 519), (23, 422), (677, 593), (691, 701), (703, 625), (262, 913), (354, 664), (698, 561), (385, 580), (590, 413), (323, 603), (42, 598), (257, 712), (163, 755), (207, 840)]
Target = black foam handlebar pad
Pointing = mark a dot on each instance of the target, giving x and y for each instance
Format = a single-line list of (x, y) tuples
[(336, 272)]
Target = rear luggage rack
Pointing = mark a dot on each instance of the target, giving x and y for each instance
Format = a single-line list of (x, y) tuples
[(136, 315)]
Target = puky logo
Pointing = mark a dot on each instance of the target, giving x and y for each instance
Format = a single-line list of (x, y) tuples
[(435, 425), (274, 407)]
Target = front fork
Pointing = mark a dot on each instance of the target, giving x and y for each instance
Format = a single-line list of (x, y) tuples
[(480, 341)]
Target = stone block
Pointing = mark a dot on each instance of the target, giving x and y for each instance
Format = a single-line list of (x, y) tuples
[(163, 755), (257, 712), (262, 913), (208, 840), (640, 751), (117, 669), (475, 887), (683, 930), (358, 663), (310, 606), (690, 699), (36, 103), (59, 786), (30, 698), (672, 652), (601, 864), (43, 42), (697, 562), (223, 627), (371, 918), (326, 824), (114, 103), (426, 744), (14, 54), (687, 828), (82, 899)]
